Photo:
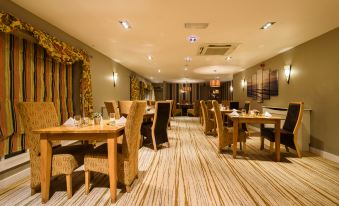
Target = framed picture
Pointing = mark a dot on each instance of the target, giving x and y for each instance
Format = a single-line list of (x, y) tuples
[(254, 86), (249, 87), (266, 84), (259, 85), (274, 83)]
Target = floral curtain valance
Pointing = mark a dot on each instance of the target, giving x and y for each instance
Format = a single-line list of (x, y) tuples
[(58, 50)]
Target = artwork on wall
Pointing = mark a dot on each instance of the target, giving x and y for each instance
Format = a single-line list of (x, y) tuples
[(274, 83), (263, 84), (266, 84)]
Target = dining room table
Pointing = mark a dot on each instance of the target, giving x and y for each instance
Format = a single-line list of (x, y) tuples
[(256, 119), (103, 132)]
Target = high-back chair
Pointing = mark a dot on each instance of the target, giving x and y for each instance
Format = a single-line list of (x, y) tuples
[(112, 107), (225, 134), (40, 115), (97, 160), (157, 130), (196, 109), (176, 111), (234, 105), (208, 123), (124, 107), (289, 132)]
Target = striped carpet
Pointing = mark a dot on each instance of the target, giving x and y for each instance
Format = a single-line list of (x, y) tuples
[(191, 172)]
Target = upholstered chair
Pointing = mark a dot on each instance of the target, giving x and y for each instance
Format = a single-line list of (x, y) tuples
[(65, 159), (176, 111), (289, 132), (124, 107), (208, 123), (195, 111), (112, 107), (225, 134), (157, 130), (234, 105), (97, 161)]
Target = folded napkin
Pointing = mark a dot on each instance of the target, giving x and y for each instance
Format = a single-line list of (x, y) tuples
[(234, 114), (267, 114), (234, 110), (69, 122), (121, 121)]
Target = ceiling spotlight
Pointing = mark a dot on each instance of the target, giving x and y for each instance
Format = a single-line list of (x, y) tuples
[(149, 57), (125, 24), (267, 25), (218, 77), (192, 38), (228, 58), (152, 77), (158, 70), (188, 59), (185, 68)]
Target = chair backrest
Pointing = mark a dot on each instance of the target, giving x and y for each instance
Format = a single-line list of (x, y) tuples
[(196, 107), (160, 122), (37, 115), (234, 105), (225, 103), (112, 107), (172, 105), (204, 113), (150, 102), (124, 107), (209, 104), (247, 106), (294, 116), (132, 129), (218, 116)]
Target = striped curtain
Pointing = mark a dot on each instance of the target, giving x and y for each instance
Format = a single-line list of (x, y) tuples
[(27, 73)]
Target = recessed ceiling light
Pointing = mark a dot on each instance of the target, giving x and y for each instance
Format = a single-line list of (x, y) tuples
[(188, 59), (125, 24), (185, 68), (267, 25), (217, 77), (152, 77), (149, 57), (159, 70), (192, 38), (228, 58)]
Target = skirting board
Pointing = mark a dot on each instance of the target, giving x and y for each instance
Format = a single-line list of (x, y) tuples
[(325, 155)]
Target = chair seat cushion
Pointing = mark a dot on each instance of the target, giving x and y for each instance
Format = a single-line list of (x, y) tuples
[(68, 158), (286, 137)]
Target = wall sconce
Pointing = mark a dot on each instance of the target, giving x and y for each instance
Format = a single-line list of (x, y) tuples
[(243, 84), (231, 88), (287, 71), (115, 78)]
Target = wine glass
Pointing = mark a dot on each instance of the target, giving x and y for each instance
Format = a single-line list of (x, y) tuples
[(112, 118), (77, 120)]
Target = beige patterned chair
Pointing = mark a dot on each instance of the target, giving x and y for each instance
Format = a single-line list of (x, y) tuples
[(39, 115), (124, 107), (97, 160), (225, 134), (175, 110), (112, 107), (208, 123), (196, 109)]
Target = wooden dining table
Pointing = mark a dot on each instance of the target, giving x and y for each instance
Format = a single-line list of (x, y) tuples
[(103, 132), (256, 119)]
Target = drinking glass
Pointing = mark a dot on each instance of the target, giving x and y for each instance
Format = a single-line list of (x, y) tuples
[(243, 112), (85, 121), (112, 118), (77, 120), (227, 107)]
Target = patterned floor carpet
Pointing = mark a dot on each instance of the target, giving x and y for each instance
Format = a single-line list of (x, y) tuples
[(191, 172)]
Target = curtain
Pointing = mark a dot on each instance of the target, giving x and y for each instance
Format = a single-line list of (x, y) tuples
[(28, 73), (226, 94)]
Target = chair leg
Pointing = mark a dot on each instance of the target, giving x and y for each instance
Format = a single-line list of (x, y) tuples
[(69, 185), (87, 181), (271, 146), (297, 149), (128, 188), (287, 150), (262, 143)]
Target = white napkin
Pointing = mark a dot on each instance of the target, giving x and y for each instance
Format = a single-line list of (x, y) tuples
[(267, 114), (121, 121), (234, 110), (69, 122), (234, 114)]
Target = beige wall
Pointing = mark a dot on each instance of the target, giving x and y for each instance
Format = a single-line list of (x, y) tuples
[(314, 80), (101, 65)]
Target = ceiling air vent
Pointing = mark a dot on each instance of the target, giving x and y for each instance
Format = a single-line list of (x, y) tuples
[(216, 49), (196, 25)]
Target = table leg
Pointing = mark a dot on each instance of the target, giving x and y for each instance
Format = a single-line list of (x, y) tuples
[(235, 136), (45, 167), (112, 166), (277, 140)]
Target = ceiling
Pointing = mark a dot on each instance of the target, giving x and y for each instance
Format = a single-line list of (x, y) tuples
[(158, 30)]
